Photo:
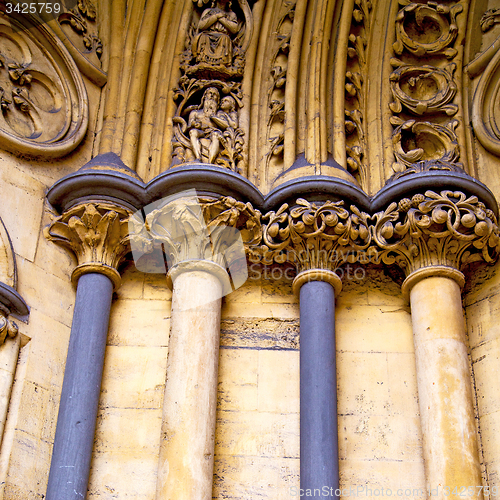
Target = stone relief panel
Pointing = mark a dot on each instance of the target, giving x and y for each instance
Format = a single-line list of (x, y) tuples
[(424, 88), (43, 104), (209, 99)]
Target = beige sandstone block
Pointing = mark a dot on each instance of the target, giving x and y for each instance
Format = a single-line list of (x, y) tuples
[(402, 380), (252, 478), (266, 310), (363, 384), (373, 437), (128, 431), (140, 323), (483, 323), (155, 287), (118, 475), (279, 381), (257, 434), (22, 207), (132, 286), (364, 477), (278, 292), (238, 379), (28, 468), (48, 349), (38, 409), (134, 377), (373, 329), (353, 293), (33, 284), (486, 367)]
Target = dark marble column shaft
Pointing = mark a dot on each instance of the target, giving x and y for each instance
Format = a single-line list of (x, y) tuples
[(318, 390), (76, 422)]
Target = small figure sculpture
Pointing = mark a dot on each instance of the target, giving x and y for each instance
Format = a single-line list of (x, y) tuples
[(213, 44), (201, 125)]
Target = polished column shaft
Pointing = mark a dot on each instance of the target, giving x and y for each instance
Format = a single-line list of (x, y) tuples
[(76, 422), (318, 389)]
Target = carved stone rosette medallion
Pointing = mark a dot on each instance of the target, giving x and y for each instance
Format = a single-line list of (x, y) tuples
[(43, 101), (434, 231), (98, 235), (315, 237)]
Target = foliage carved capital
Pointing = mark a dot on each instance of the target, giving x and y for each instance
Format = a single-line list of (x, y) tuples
[(191, 228), (315, 236), (98, 235), (448, 229)]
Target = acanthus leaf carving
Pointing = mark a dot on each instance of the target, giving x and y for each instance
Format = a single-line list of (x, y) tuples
[(97, 233)]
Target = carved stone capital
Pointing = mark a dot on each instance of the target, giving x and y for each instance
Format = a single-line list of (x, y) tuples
[(315, 237), (98, 235), (438, 233), (193, 229)]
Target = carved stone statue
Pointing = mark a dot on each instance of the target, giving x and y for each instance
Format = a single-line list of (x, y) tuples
[(213, 44)]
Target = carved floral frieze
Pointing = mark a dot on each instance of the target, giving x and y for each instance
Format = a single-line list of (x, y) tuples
[(43, 104), (315, 235), (436, 229)]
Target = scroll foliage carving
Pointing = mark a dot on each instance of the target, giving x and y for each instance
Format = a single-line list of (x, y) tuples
[(355, 96), (431, 229), (424, 96), (43, 108), (206, 122), (276, 100), (315, 235)]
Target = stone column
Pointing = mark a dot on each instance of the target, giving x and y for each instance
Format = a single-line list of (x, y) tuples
[(201, 239), (98, 234), (317, 238), (431, 237)]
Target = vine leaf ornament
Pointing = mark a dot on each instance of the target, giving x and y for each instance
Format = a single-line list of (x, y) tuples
[(446, 229), (315, 235)]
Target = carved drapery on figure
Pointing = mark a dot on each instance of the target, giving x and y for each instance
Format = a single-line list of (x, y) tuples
[(206, 123)]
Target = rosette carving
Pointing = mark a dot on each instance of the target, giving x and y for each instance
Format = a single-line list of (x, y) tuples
[(424, 141), (446, 229), (98, 235), (426, 29), (192, 228), (315, 235), (423, 89)]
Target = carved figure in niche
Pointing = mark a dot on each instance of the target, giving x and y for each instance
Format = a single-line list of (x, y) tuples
[(213, 43), (201, 126), (209, 131)]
